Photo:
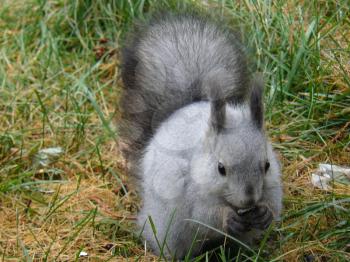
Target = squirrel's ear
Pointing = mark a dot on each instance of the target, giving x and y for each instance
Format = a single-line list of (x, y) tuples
[(217, 115), (219, 89), (256, 101)]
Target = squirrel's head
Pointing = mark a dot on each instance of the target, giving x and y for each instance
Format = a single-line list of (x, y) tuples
[(235, 160)]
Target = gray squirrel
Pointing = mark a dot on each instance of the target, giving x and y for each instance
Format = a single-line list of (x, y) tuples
[(193, 134)]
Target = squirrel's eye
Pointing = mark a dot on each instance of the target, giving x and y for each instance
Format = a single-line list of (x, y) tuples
[(221, 169), (267, 166)]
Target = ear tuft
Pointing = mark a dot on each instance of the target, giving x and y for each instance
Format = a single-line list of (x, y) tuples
[(256, 101), (218, 115), (219, 90)]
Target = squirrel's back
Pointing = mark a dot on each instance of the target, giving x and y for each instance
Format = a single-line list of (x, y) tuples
[(171, 62)]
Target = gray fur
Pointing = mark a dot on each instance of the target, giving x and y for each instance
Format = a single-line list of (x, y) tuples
[(185, 109), (170, 63)]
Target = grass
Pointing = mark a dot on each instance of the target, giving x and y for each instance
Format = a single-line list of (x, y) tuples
[(59, 87)]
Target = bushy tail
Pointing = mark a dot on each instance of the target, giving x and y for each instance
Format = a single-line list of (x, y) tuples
[(172, 62)]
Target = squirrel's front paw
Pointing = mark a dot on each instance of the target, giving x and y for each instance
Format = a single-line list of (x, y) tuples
[(237, 224), (262, 217), (259, 217)]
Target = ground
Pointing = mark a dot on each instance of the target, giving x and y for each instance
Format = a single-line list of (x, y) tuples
[(59, 89)]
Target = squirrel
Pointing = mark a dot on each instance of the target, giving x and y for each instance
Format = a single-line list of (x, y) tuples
[(192, 120)]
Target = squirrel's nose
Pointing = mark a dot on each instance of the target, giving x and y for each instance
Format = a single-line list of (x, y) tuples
[(249, 200)]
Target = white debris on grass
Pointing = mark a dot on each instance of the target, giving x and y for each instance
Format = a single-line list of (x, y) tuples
[(327, 173), (83, 254), (47, 155), (336, 171), (321, 181)]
